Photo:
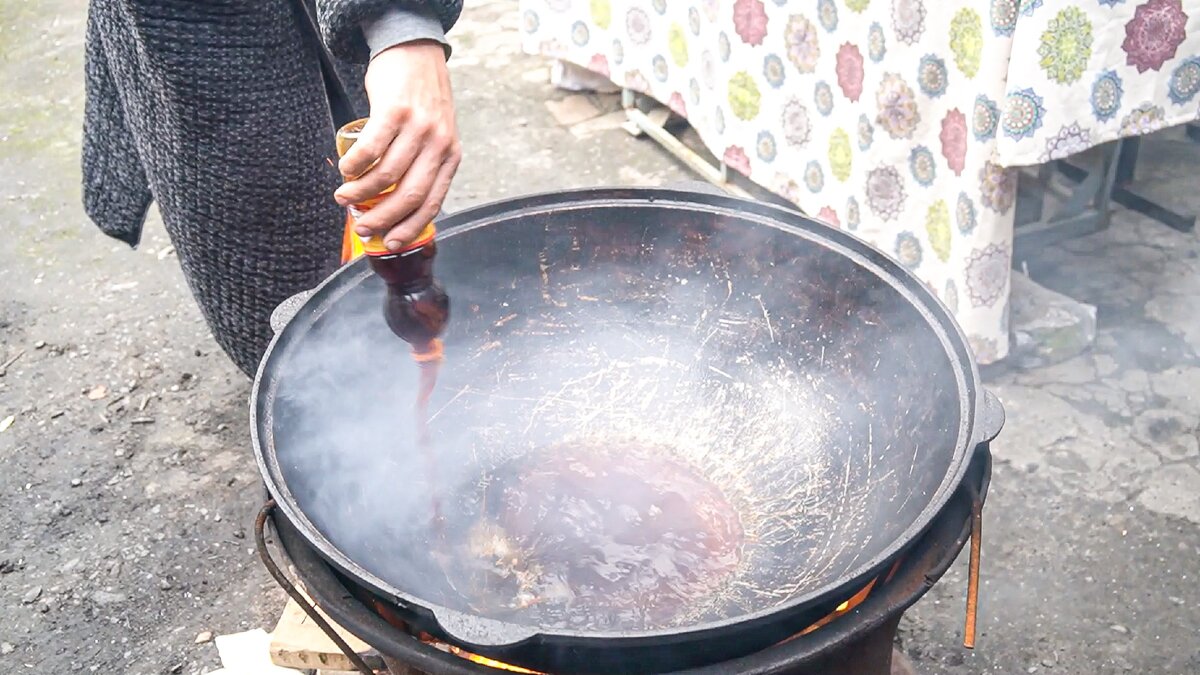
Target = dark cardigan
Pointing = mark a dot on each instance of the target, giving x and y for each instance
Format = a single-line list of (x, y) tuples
[(217, 111)]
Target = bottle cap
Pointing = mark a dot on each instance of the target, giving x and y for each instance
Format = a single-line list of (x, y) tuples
[(373, 245), (347, 135)]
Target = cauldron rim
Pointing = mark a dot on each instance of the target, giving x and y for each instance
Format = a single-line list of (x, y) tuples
[(975, 403)]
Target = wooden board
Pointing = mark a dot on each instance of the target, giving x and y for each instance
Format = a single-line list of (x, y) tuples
[(298, 642)]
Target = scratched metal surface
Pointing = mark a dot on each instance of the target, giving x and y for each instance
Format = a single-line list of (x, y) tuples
[(806, 388)]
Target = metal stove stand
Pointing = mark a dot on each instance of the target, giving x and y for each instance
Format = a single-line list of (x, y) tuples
[(1087, 207)]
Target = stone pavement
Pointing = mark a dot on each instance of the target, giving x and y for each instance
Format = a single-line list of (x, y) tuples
[(1092, 544), (127, 537)]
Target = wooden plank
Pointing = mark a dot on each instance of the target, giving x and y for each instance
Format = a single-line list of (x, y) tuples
[(297, 642)]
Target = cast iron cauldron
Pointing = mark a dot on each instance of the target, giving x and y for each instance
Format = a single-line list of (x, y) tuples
[(820, 397)]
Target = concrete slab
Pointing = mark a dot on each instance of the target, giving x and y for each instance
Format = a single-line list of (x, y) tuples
[(1047, 327), (1174, 490), (595, 125), (572, 110)]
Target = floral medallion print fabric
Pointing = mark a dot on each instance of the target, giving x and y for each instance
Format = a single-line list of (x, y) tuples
[(880, 117), (1092, 71)]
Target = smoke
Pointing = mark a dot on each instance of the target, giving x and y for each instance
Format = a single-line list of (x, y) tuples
[(806, 391)]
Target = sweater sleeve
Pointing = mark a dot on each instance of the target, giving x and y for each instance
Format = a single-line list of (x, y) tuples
[(343, 22), (397, 26)]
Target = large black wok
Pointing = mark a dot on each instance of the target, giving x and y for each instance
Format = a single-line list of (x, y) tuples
[(803, 391)]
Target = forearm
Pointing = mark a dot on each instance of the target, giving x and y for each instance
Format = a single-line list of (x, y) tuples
[(410, 141)]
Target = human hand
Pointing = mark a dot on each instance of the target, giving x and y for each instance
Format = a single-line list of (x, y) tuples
[(410, 141)]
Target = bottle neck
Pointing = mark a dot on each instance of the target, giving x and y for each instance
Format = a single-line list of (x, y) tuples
[(409, 271)]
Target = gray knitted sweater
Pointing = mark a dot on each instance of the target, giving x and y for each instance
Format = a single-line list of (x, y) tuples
[(217, 111)]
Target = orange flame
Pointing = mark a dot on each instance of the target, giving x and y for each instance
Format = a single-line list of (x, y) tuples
[(492, 663), (475, 658)]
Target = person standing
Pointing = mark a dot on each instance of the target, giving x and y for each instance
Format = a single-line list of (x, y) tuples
[(223, 113)]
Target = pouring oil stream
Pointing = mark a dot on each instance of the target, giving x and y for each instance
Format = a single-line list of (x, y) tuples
[(416, 306)]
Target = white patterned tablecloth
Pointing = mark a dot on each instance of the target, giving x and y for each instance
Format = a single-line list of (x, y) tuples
[(1085, 72), (894, 119)]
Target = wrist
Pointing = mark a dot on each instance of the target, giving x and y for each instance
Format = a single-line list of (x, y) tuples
[(420, 45)]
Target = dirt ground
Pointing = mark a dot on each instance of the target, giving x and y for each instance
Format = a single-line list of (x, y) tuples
[(127, 486)]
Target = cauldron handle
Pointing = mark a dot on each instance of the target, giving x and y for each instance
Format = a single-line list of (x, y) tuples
[(284, 311), (260, 542), (991, 417)]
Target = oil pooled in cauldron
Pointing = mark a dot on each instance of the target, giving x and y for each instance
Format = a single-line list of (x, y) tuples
[(588, 538)]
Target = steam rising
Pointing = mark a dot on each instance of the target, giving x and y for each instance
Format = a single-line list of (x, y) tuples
[(799, 385)]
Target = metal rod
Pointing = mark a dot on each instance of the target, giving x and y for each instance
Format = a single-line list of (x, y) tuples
[(1153, 210), (1037, 193), (683, 153), (1126, 162), (1115, 190), (1104, 199), (973, 573), (1036, 236), (628, 98), (1089, 192), (1127, 157), (260, 541)]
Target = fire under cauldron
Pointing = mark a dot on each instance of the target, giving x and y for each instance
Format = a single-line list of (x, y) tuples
[(673, 432)]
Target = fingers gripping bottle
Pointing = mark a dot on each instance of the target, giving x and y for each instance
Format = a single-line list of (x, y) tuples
[(416, 307)]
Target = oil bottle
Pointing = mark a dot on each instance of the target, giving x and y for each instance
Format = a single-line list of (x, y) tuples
[(416, 307)]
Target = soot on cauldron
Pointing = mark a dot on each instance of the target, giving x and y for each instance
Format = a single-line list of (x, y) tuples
[(588, 537)]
